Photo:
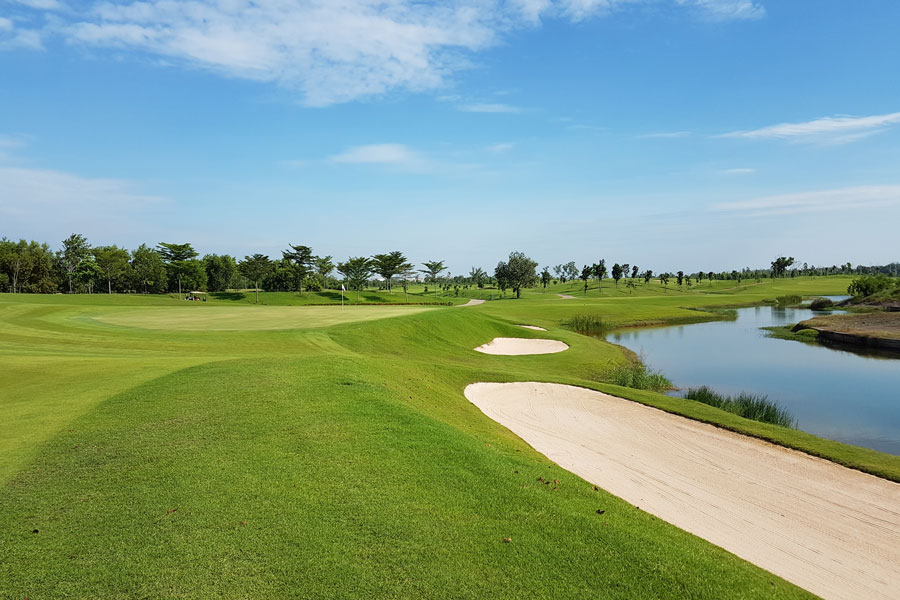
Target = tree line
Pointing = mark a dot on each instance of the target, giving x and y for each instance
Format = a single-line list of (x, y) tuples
[(79, 267)]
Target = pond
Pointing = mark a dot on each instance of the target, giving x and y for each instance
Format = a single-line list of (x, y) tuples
[(833, 393)]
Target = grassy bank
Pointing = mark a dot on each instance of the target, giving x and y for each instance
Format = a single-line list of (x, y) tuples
[(143, 458)]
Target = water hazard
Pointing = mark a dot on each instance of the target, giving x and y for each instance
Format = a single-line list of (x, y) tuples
[(833, 393)]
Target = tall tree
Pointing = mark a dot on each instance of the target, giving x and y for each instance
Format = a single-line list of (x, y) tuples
[(221, 271), (600, 270), (617, 271), (113, 261), (586, 272), (545, 277), (477, 275), (323, 265), (501, 274), (522, 272), (634, 271), (254, 268), (356, 271), (148, 269), (780, 265), (648, 274), (390, 264), (680, 276), (571, 270), (176, 257), (301, 257), (433, 268), (75, 249), (560, 274)]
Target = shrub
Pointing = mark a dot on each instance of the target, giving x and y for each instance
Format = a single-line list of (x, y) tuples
[(749, 406), (821, 304), (869, 284)]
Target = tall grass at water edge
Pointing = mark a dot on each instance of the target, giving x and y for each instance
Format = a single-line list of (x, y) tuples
[(750, 406), (636, 375), (589, 324)]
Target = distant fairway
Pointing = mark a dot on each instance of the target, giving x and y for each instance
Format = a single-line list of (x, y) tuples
[(201, 317)]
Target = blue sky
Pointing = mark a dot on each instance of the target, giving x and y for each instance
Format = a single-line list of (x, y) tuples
[(672, 134)]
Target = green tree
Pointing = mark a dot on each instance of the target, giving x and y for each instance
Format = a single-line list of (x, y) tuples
[(255, 268), (148, 270), (634, 272), (389, 265), (356, 271), (680, 276), (88, 273), (780, 265), (545, 277), (521, 272), (433, 268), (302, 260), (323, 266), (176, 258), (586, 272), (664, 280), (648, 274), (617, 271), (221, 271), (75, 249), (501, 274), (113, 262), (477, 275), (571, 270)]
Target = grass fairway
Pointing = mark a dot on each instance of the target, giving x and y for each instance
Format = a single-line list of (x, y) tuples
[(325, 460), (200, 317)]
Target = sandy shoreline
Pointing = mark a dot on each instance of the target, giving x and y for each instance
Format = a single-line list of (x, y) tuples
[(831, 530)]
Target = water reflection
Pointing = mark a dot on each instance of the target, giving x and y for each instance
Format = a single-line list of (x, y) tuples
[(834, 393)]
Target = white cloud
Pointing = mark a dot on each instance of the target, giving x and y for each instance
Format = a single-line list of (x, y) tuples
[(485, 107), (665, 135), (500, 147), (727, 10), (738, 171), (397, 155), (849, 198), (326, 51), (5, 24), (830, 130)]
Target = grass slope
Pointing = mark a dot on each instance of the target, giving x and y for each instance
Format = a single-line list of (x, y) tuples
[(325, 462)]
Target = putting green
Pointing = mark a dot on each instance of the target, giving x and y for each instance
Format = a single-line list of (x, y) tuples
[(247, 318)]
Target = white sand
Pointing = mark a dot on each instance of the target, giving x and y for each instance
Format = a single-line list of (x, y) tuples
[(831, 530), (566, 296), (521, 346), (533, 327), (472, 302)]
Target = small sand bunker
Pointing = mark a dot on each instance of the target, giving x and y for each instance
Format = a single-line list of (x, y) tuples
[(566, 296), (533, 327), (521, 346), (472, 302)]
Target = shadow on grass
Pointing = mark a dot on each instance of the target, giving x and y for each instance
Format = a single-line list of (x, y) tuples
[(232, 296)]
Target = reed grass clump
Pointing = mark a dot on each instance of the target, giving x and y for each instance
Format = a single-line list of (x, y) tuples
[(636, 375), (788, 300), (589, 324), (750, 406)]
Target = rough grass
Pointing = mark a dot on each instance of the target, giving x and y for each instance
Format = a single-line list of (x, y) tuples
[(588, 324), (789, 300), (749, 406), (637, 376)]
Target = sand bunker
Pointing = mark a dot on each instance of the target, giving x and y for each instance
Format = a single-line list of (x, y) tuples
[(533, 327), (566, 296), (472, 302), (521, 346), (831, 530)]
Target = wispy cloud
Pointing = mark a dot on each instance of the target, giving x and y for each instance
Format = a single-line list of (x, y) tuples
[(849, 198), (394, 155), (829, 130), (665, 135), (490, 107), (325, 51), (500, 148), (58, 199), (738, 171)]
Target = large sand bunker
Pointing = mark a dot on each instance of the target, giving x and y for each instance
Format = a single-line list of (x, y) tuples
[(533, 327), (521, 346), (472, 302), (831, 530)]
